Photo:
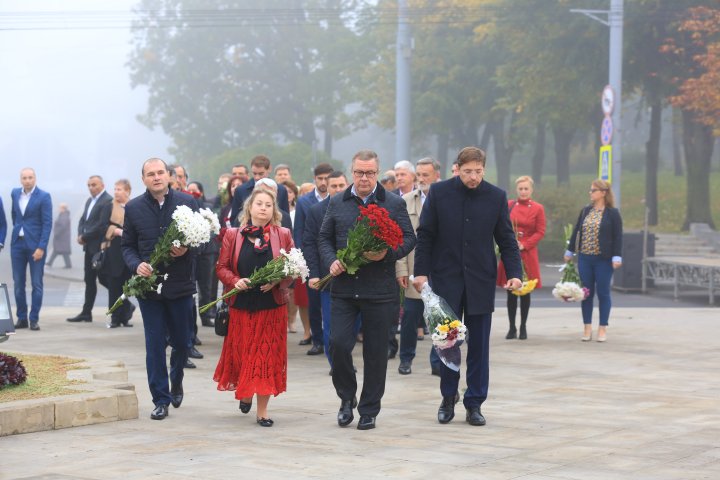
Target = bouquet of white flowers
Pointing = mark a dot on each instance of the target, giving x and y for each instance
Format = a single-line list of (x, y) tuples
[(288, 265), (569, 288), (188, 228), (448, 331)]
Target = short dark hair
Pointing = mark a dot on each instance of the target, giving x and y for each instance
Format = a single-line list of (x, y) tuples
[(337, 174), (471, 154), (199, 185), (260, 161), (322, 169), (240, 165), (154, 159)]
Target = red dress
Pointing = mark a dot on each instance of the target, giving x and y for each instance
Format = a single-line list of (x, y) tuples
[(254, 354), (528, 217)]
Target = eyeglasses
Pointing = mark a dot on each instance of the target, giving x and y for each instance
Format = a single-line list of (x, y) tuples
[(368, 174), (468, 172)]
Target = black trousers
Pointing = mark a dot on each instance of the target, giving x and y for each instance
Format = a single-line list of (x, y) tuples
[(376, 319), (90, 279), (315, 313), (205, 273)]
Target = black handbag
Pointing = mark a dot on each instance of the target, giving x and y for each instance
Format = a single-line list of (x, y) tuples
[(98, 260), (222, 319)]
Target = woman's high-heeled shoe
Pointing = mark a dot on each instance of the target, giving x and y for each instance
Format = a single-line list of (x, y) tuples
[(245, 407), (265, 422)]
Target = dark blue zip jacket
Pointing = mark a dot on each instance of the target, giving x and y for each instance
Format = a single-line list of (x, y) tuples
[(145, 222)]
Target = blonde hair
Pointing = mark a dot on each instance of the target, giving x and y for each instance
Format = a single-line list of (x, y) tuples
[(245, 215), (605, 187), (525, 178), (305, 188)]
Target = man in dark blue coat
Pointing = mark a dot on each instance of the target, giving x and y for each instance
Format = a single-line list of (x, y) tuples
[(459, 221), (260, 168), (320, 193), (372, 291), (168, 313)]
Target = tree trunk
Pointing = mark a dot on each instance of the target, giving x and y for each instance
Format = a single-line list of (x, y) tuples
[(677, 141), (698, 143), (652, 159), (563, 138), (485, 139), (327, 129), (443, 140), (539, 155)]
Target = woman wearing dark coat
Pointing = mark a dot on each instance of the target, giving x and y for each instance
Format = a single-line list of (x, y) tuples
[(61, 236)]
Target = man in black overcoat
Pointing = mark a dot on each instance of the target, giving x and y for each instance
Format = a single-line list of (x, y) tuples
[(460, 220)]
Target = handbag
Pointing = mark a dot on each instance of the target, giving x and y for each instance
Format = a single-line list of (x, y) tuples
[(222, 319), (98, 260)]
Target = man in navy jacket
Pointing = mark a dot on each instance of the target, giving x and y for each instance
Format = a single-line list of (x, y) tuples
[(260, 167), (32, 222), (170, 312), (459, 221)]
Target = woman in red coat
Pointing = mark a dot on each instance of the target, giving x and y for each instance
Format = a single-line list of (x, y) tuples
[(528, 219), (254, 354)]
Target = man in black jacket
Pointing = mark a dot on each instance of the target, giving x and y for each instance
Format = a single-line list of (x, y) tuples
[(372, 291), (260, 168), (91, 232), (169, 312)]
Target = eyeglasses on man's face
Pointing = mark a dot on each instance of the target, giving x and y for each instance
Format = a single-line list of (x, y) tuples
[(367, 174)]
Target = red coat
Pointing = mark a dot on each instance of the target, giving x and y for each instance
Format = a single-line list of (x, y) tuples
[(226, 266), (528, 218)]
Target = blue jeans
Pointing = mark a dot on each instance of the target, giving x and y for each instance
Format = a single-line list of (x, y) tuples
[(21, 257), (161, 318), (596, 273), (412, 317)]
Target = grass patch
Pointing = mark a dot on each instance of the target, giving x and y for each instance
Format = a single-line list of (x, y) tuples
[(46, 377)]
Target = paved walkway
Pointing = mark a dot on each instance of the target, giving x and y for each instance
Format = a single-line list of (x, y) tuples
[(644, 405)]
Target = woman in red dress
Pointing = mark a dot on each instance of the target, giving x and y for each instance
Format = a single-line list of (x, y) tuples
[(254, 354), (528, 219)]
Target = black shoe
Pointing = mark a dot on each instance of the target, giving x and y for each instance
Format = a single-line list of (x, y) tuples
[(193, 353), (474, 417), (81, 317), (189, 364), (21, 324), (345, 414), (305, 341), (160, 412), (196, 341), (366, 422), (245, 407), (404, 368), (392, 352), (316, 350), (208, 322), (176, 393), (512, 333), (435, 371), (114, 324), (523, 333), (129, 311), (446, 412), (34, 326), (265, 422)]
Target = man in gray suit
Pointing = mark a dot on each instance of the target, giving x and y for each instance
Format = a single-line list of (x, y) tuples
[(91, 230)]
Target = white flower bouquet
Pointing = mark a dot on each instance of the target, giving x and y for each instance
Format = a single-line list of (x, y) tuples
[(188, 228), (569, 288), (448, 331), (288, 265)]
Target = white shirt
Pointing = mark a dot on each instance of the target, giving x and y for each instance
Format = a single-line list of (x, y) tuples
[(23, 203), (364, 200), (319, 197), (92, 204)]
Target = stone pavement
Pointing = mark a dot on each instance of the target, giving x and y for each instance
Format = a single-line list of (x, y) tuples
[(644, 405)]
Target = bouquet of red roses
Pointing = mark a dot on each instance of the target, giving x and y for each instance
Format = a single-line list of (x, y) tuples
[(374, 231)]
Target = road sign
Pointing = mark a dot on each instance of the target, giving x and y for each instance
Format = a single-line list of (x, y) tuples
[(608, 100), (606, 131), (605, 163)]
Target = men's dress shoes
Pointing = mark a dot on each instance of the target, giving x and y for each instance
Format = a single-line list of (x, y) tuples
[(345, 414), (189, 364), (160, 412), (176, 394), (21, 324), (196, 341), (446, 412), (316, 350), (194, 353), (366, 422), (34, 326), (208, 322), (404, 368), (474, 417), (392, 352), (82, 317)]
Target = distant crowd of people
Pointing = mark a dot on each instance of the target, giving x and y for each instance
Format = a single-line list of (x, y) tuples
[(450, 232)]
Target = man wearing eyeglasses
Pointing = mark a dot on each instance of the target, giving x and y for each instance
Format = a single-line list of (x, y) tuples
[(372, 291), (460, 219)]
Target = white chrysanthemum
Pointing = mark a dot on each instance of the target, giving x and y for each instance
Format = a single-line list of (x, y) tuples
[(295, 265), (194, 227), (165, 277), (212, 219), (568, 292), (159, 288), (176, 243)]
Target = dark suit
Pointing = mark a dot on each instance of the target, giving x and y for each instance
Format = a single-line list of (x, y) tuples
[(455, 250), (372, 292), (3, 225), (91, 229), (35, 224), (302, 208), (243, 192)]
